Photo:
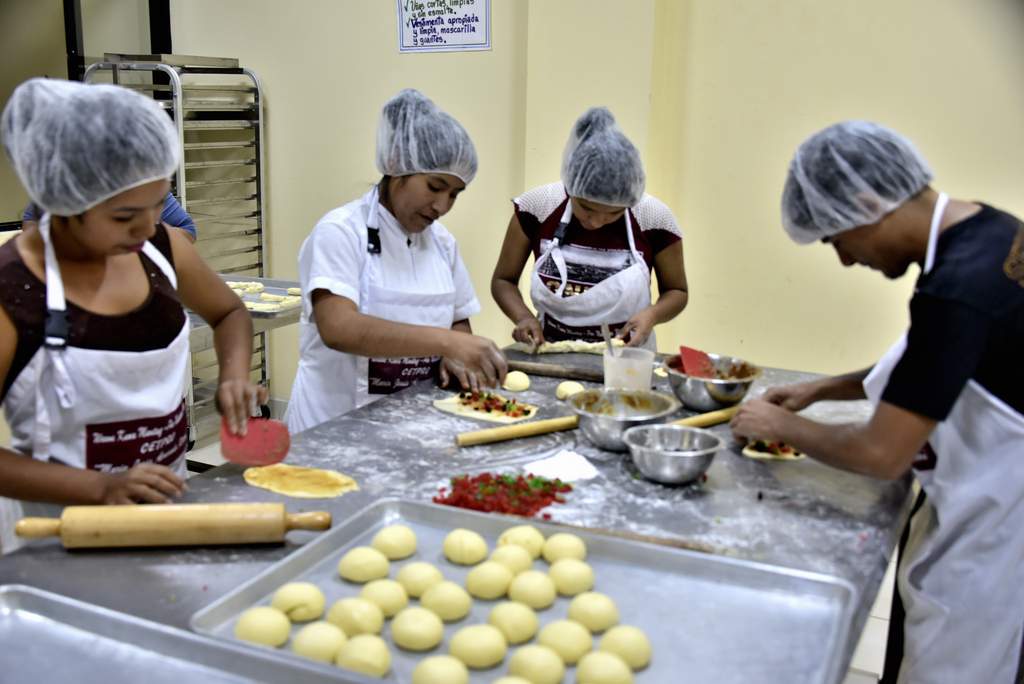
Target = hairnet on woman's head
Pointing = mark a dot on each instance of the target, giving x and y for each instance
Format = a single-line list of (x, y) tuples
[(600, 164), (414, 136), (75, 145), (848, 175)]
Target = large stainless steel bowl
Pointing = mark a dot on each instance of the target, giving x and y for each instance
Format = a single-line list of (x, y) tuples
[(605, 413), (671, 454), (711, 394)]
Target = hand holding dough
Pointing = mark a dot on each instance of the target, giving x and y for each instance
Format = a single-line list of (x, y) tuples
[(517, 381)]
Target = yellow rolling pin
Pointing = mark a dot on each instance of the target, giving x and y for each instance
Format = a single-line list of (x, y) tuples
[(172, 525), (542, 427)]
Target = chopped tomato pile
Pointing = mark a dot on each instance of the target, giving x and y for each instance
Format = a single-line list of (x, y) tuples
[(496, 493), (489, 402), (772, 447)]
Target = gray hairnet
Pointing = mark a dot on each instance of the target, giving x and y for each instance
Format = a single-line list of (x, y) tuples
[(414, 136), (74, 145), (600, 164), (848, 175)]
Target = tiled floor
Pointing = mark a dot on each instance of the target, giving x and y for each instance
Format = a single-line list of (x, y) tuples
[(866, 665)]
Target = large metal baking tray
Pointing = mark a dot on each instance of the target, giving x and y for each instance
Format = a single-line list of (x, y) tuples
[(270, 286), (709, 618), (47, 637)]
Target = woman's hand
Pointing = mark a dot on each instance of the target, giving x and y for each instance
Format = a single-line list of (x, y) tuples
[(237, 401), (793, 397), (144, 483), (529, 331), (479, 355), (450, 368), (638, 328)]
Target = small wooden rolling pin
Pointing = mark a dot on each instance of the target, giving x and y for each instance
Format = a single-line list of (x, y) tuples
[(542, 427), (172, 524)]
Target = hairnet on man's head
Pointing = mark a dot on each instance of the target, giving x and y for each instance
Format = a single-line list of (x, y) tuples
[(75, 145), (848, 175), (414, 136), (600, 164)]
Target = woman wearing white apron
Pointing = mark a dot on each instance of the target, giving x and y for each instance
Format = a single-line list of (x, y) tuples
[(93, 336), (595, 238), (949, 395), (386, 297)]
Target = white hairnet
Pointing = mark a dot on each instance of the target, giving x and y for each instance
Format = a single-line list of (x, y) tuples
[(75, 145), (848, 175), (600, 164), (414, 136)]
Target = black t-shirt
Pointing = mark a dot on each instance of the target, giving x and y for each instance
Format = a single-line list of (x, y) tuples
[(966, 319)]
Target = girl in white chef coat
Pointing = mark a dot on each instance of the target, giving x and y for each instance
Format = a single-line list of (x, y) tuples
[(93, 333), (386, 297), (595, 237)]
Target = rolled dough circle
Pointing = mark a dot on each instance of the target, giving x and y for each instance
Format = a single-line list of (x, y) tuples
[(517, 621), (395, 541), (417, 629), (464, 547), (319, 641), (300, 601), (363, 564), (479, 646), (263, 625), (356, 616)]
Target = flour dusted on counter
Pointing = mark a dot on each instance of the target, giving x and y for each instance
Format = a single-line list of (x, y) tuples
[(566, 465)]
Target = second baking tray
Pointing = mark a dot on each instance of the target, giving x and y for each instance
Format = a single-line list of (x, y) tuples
[(709, 618)]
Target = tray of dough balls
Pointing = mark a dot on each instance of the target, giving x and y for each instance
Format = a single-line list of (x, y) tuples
[(264, 297), (423, 593)]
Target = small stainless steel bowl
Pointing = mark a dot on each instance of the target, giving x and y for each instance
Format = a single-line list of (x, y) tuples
[(605, 413), (671, 454), (711, 394)]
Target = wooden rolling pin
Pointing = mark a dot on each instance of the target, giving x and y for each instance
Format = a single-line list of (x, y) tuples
[(709, 418), (553, 370), (172, 524), (500, 434)]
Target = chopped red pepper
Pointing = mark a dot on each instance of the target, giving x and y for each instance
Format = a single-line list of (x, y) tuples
[(496, 493)]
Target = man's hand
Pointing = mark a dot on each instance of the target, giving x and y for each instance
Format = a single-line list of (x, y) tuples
[(759, 419)]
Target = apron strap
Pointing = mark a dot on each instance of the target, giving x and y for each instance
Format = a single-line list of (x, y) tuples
[(158, 258), (933, 231)]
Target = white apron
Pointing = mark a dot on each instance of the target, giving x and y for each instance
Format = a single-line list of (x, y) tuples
[(962, 576), (375, 377), (94, 408), (614, 300)]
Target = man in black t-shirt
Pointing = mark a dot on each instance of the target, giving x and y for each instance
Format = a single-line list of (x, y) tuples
[(949, 395)]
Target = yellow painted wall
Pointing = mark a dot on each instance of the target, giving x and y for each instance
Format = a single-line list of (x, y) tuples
[(753, 79)]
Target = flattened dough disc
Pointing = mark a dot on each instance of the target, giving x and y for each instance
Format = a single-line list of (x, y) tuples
[(303, 483)]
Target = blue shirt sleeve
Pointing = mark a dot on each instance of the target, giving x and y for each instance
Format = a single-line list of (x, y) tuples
[(30, 213), (176, 217)]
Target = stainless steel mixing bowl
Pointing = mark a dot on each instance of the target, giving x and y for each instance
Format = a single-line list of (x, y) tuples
[(672, 454), (711, 394), (605, 413)]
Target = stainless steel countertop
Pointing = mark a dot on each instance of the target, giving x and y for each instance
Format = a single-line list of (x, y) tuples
[(808, 516)]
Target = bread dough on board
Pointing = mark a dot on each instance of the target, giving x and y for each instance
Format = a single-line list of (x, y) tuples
[(566, 347)]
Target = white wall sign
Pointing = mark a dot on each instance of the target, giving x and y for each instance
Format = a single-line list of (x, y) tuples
[(444, 25)]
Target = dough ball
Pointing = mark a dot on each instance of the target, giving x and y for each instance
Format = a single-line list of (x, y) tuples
[(512, 680), (594, 611), (534, 588), (395, 541), (417, 629), (442, 669), (516, 621), (479, 646), (572, 576), (489, 580), (568, 639), (517, 381), (448, 600), (563, 545), (300, 601), (629, 643), (514, 557), (567, 389), (464, 547), (599, 667), (356, 616), (263, 625), (388, 594), (319, 641), (418, 577), (365, 653), (537, 664), (527, 536), (363, 564)]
